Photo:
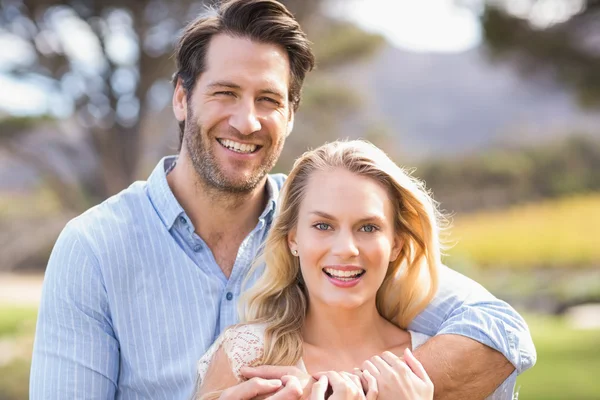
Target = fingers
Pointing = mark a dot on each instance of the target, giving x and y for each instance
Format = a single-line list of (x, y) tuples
[(343, 386), (369, 366), (395, 362), (269, 371), (372, 388), (354, 379), (384, 369), (415, 365), (292, 389), (363, 382), (319, 388), (252, 388)]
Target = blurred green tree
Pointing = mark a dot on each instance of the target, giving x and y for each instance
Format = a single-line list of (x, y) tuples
[(558, 39), (112, 59)]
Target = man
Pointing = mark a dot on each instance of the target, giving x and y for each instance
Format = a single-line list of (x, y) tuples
[(138, 287)]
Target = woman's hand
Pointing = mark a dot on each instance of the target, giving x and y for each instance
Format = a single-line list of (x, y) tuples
[(397, 379), (344, 386)]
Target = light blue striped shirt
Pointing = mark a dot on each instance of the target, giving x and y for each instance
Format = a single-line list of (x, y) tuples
[(132, 298)]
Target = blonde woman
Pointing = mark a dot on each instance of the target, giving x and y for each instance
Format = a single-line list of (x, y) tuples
[(351, 259)]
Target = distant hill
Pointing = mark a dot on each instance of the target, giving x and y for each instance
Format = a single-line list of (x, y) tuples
[(446, 104)]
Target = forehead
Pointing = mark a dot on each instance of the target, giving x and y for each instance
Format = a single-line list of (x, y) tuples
[(246, 62), (338, 191)]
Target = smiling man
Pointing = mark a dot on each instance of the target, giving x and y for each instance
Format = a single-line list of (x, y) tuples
[(138, 287)]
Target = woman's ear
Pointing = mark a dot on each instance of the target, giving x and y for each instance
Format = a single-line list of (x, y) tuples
[(397, 248), (292, 244)]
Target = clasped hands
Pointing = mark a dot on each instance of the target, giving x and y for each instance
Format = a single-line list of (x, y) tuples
[(381, 377)]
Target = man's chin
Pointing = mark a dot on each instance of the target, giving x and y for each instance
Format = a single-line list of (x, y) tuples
[(237, 184)]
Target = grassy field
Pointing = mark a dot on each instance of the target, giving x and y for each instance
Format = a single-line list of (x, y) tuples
[(561, 233), (568, 363), (17, 326)]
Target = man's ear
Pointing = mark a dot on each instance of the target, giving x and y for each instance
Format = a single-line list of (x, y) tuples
[(290, 125), (180, 101)]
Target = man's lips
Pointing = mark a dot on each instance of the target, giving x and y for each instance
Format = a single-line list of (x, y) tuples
[(239, 147)]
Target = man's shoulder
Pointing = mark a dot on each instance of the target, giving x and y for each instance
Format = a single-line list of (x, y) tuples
[(114, 215)]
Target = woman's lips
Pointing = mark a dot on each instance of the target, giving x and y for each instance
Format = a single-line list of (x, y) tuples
[(344, 282)]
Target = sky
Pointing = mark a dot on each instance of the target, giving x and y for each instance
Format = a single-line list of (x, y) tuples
[(421, 26)]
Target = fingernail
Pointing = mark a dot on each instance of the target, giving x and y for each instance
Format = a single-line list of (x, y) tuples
[(275, 382)]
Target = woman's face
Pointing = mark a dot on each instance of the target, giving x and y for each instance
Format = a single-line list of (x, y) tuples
[(345, 238)]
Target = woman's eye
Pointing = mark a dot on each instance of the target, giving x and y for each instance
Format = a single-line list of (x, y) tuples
[(368, 228), (322, 226)]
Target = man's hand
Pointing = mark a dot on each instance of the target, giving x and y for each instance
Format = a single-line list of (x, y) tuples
[(291, 376)]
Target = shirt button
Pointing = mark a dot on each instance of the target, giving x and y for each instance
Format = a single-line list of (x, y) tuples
[(182, 220), (197, 248), (229, 296)]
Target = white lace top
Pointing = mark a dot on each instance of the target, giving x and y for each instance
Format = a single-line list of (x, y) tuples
[(244, 346)]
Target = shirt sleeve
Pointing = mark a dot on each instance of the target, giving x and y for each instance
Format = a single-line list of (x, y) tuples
[(75, 352), (463, 307)]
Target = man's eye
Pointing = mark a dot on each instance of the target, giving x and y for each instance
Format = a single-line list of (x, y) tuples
[(322, 226), (270, 100), (224, 93), (368, 228)]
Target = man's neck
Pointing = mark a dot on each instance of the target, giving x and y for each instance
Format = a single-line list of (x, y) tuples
[(212, 211)]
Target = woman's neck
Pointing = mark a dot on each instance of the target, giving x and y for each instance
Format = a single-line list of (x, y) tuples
[(342, 339), (344, 329)]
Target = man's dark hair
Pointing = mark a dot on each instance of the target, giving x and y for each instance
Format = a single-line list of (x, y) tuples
[(263, 21)]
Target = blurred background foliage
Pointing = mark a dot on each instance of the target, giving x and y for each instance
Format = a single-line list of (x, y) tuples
[(505, 134)]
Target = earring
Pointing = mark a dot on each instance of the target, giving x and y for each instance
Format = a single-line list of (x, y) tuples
[(295, 253)]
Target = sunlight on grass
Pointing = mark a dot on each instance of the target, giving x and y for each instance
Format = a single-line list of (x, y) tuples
[(568, 364), (563, 233), (17, 320)]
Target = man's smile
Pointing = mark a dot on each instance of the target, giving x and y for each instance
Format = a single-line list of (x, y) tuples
[(243, 148)]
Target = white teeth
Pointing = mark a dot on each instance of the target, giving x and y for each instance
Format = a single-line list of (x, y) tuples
[(238, 147), (343, 274)]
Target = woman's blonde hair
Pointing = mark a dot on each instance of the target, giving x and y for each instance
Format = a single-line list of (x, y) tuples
[(279, 299)]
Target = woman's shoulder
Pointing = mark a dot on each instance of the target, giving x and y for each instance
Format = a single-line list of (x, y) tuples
[(242, 344)]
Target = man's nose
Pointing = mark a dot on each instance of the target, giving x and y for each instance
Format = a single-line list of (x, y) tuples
[(244, 118)]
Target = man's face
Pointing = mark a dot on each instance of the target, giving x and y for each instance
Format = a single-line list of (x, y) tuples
[(238, 115)]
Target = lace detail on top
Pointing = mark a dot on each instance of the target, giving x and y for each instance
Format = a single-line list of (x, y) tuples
[(243, 345)]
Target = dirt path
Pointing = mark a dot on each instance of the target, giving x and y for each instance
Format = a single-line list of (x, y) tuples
[(20, 290)]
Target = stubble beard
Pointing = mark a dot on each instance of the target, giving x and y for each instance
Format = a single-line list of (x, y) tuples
[(211, 175)]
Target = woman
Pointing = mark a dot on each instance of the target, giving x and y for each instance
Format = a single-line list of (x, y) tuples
[(351, 259)]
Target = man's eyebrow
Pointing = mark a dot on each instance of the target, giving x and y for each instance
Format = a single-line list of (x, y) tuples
[(227, 84), (272, 91)]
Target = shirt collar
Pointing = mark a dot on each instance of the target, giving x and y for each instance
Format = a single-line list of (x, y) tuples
[(160, 194), (167, 206), (272, 197)]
